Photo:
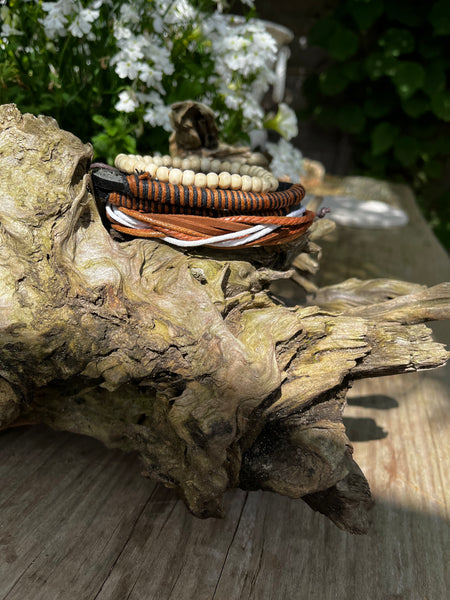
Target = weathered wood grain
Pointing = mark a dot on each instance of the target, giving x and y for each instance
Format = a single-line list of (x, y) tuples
[(78, 521), (267, 546)]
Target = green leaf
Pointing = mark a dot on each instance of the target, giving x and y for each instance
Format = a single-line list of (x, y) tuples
[(430, 46), (101, 143), (435, 78), (416, 106), (396, 42), (129, 143), (440, 104), (100, 120), (311, 89), (383, 137), (407, 150), (353, 71), (325, 116), (351, 119), (377, 106), (408, 77), (375, 165), (440, 17), (401, 11), (441, 145), (433, 169), (365, 13), (332, 82), (321, 31), (343, 44), (378, 65)]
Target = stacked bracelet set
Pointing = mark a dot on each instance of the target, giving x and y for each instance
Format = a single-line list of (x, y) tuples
[(200, 202)]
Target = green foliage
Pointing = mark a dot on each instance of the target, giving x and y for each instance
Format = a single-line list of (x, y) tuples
[(386, 84), (77, 77)]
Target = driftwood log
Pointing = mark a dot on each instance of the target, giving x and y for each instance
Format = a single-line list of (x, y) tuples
[(186, 358)]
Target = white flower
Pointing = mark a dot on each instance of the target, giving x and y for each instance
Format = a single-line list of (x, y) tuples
[(129, 14), (242, 51), (174, 12), (143, 57), (157, 113), (55, 20), (288, 121), (127, 102), (232, 101), (286, 160), (121, 32), (81, 25), (7, 30), (284, 122), (253, 112), (127, 68)]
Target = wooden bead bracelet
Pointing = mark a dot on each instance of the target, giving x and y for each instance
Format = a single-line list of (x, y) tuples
[(201, 172)]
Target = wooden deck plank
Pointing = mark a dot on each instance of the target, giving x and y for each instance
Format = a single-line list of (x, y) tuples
[(78, 522), (182, 557), (79, 497)]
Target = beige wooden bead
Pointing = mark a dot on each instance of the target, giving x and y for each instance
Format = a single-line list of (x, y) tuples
[(236, 181), (162, 173), (244, 169), (176, 162), (235, 167), (265, 185), (246, 183), (224, 180), (151, 168), (273, 184), (167, 160), (128, 165), (216, 166), (226, 167), (186, 164), (188, 177), (212, 180), (256, 184), (205, 165), (157, 160), (118, 160), (200, 180), (175, 176), (195, 163), (260, 172)]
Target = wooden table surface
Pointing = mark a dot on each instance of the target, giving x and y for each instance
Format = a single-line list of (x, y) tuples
[(78, 522)]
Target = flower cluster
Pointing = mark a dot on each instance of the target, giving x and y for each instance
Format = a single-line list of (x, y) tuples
[(287, 160), (123, 64), (244, 57), (66, 17)]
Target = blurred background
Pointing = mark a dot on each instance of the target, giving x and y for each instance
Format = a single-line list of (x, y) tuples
[(369, 81)]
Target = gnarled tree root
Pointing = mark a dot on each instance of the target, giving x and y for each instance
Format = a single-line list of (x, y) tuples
[(186, 358)]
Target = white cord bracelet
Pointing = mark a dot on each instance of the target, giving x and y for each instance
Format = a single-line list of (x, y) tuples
[(227, 240)]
